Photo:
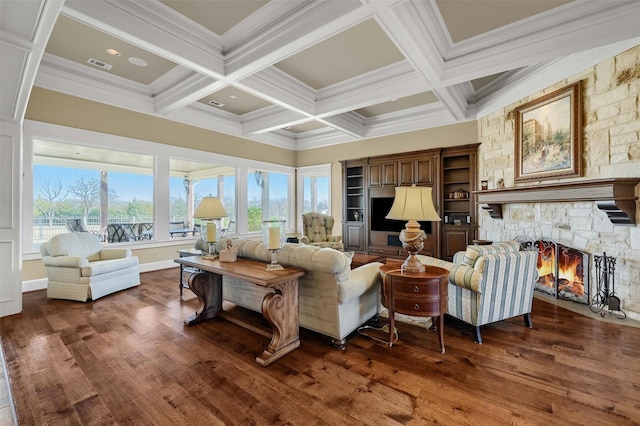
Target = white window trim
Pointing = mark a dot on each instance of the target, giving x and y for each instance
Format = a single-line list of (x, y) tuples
[(310, 171), (34, 130)]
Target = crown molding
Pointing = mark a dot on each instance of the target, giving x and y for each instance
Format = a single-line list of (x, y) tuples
[(270, 118), (280, 89), (316, 21), (390, 82), (67, 77), (525, 82), (185, 92), (160, 35)]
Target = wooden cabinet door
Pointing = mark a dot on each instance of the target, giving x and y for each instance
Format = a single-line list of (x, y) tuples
[(383, 174), (406, 173), (454, 240), (353, 238), (425, 171)]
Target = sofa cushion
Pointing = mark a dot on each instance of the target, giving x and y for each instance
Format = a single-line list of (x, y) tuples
[(82, 244), (326, 260), (474, 252), (105, 266)]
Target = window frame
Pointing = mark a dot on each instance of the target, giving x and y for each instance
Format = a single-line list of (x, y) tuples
[(320, 170), (162, 153)]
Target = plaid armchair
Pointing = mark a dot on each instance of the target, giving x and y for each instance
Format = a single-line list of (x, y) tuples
[(317, 230), (490, 283)]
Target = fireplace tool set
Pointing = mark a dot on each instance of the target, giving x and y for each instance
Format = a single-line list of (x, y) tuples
[(605, 299)]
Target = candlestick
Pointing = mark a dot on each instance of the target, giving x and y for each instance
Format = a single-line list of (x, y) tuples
[(211, 232), (274, 237)]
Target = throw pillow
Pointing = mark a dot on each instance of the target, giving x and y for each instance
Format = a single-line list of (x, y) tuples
[(474, 252)]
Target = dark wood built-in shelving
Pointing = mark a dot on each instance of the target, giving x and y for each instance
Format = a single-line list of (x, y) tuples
[(614, 196)]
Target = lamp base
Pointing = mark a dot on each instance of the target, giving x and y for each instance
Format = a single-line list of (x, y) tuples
[(412, 264), (412, 239)]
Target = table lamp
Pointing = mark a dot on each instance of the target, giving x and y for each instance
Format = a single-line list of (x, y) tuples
[(209, 210), (413, 204)]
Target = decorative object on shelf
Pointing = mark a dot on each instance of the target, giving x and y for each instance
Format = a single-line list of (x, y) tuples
[(228, 254), (484, 185), (413, 204), (459, 194), (500, 183), (549, 135), (273, 236), (209, 211), (356, 215)]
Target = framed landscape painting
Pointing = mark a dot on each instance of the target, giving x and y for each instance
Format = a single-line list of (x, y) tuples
[(548, 136)]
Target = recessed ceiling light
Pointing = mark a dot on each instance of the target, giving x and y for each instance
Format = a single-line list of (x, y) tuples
[(232, 96), (138, 62), (113, 52)]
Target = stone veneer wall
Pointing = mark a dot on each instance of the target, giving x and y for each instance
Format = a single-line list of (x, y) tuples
[(611, 148)]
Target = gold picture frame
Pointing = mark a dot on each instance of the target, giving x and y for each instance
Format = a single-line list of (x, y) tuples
[(548, 136)]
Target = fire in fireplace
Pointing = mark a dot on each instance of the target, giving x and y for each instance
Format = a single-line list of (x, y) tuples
[(563, 271)]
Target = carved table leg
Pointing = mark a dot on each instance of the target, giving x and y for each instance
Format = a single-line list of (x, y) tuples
[(208, 287), (280, 309)]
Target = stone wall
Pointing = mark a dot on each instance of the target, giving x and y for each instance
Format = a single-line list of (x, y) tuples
[(611, 148)]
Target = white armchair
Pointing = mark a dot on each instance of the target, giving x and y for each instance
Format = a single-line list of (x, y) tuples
[(79, 268)]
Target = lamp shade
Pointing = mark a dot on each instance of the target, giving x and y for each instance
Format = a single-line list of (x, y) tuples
[(413, 203), (210, 208)]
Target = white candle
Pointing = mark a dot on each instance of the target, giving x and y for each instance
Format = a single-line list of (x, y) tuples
[(274, 237), (211, 232)]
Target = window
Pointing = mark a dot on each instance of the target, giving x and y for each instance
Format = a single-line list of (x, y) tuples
[(269, 197), (314, 185), (143, 187), (191, 181), (108, 193)]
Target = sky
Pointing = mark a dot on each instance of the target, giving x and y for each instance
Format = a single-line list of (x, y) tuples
[(128, 185)]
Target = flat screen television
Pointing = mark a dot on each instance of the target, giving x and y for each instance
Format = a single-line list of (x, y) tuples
[(379, 208)]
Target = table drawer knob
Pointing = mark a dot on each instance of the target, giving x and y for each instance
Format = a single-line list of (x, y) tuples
[(416, 307), (416, 289)]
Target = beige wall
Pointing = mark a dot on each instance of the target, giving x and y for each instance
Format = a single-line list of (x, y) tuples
[(611, 95), (65, 110)]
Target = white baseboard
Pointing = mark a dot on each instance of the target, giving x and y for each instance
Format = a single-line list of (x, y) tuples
[(41, 283)]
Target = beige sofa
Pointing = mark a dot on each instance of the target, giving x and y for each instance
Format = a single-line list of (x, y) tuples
[(79, 268), (333, 299)]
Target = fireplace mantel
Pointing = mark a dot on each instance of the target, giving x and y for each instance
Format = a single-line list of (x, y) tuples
[(615, 196)]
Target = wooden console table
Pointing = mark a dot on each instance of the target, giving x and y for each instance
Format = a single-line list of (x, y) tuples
[(421, 294), (279, 308)]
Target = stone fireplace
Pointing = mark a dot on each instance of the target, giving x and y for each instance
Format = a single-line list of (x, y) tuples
[(580, 215), (564, 271)]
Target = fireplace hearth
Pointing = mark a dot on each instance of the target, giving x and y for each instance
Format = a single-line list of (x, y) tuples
[(563, 271)]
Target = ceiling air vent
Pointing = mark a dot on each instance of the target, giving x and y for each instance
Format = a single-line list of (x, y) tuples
[(99, 64), (216, 104)]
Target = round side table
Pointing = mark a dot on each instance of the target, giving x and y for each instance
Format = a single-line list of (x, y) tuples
[(421, 294)]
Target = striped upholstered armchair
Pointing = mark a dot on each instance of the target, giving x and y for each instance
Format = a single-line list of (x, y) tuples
[(490, 283)]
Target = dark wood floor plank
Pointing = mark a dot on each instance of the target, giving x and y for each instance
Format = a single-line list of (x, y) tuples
[(128, 359)]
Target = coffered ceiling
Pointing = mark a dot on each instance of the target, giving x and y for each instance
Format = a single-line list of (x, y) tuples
[(301, 74)]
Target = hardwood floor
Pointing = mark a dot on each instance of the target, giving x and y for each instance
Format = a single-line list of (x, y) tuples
[(128, 359)]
